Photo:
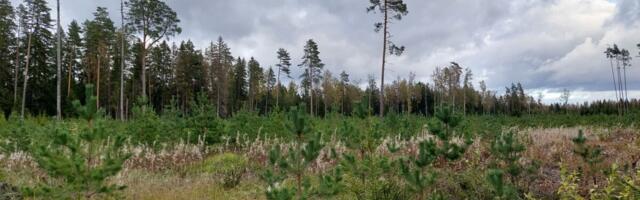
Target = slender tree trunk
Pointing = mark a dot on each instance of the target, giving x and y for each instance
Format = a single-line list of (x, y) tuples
[(69, 71), (311, 88), (15, 72), (613, 77), (143, 75), (384, 57), (59, 67), (620, 88), (626, 92), (26, 75), (278, 90), (426, 101), (98, 81), (122, 61)]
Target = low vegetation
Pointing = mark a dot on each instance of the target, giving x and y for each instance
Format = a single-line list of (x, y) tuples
[(292, 155)]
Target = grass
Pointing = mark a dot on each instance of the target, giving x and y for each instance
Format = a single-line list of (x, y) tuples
[(193, 169)]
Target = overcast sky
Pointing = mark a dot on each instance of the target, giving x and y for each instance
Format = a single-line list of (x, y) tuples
[(547, 45)]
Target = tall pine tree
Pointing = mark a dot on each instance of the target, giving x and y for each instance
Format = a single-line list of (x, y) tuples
[(153, 20), (312, 74)]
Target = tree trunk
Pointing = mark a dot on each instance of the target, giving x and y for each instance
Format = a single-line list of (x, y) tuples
[(613, 76), (384, 57), (122, 62), (26, 75), (15, 72), (311, 88), (143, 74), (59, 68), (626, 92), (278, 89), (98, 80)]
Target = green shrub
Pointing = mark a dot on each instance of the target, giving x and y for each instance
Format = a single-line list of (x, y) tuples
[(81, 163), (229, 167)]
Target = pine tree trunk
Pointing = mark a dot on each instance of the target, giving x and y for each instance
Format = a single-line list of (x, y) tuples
[(69, 71), (59, 68), (278, 90), (26, 75), (311, 88), (98, 82), (384, 57), (122, 61), (613, 77), (143, 75), (15, 72), (626, 97)]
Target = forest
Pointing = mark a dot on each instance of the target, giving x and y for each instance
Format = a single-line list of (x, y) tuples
[(114, 109)]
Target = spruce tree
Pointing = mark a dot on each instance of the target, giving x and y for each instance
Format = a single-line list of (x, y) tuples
[(99, 38), (7, 47), (255, 78), (238, 89), (73, 49), (38, 70)]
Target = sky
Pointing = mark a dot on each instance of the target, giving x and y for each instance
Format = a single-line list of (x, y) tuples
[(547, 45)]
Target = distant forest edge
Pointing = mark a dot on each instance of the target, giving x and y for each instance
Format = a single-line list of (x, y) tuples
[(125, 64)]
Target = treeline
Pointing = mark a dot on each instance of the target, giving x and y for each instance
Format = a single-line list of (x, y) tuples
[(137, 61)]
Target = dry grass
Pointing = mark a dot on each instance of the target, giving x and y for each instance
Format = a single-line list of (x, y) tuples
[(162, 174)]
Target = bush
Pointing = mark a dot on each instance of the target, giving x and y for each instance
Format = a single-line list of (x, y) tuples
[(229, 167)]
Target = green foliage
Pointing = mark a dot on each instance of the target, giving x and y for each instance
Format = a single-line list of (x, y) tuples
[(589, 154), (295, 163), (299, 121), (446, 126), (501, 189), (507, 150), (229, 167), (82, 162)]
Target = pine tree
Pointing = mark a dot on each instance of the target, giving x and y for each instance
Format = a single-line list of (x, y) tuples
[(445, 127), (283, 66), (344, 80), (311, 75), (507, 150), (82, 168), (391, 9), (590, 155), (153, 20), (295, 163)]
